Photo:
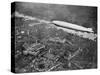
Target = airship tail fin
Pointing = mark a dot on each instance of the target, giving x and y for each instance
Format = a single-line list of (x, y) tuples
[(90, 29)]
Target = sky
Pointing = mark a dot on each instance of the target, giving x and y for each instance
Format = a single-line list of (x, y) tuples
[(82, 15)]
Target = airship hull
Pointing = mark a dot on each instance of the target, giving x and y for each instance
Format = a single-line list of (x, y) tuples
[(72, 26)]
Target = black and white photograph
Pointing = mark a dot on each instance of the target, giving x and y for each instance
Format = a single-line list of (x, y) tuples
[(53, 37)]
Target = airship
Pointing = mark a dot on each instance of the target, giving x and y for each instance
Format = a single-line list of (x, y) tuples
[(71, 26)]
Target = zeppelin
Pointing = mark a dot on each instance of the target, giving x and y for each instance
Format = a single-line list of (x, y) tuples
[(72, 26)]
